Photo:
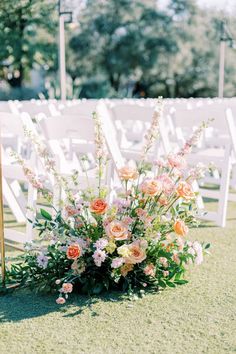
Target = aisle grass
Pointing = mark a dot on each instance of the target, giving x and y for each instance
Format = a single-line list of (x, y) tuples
[(199, 317)]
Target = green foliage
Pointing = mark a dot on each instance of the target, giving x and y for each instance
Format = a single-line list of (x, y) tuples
[(27, 39)]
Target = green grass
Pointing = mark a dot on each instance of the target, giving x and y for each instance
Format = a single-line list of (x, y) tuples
[(199, 317)]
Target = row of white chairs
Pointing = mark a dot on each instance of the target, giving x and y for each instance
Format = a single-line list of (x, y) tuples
[(69, 134)]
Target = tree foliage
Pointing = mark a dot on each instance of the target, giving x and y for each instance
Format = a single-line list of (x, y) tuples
[(27, 38)]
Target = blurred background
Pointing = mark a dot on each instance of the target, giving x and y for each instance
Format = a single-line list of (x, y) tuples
[(117, 48)]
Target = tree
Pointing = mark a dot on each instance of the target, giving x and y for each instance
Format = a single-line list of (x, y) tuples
[(27, 38), (133, 48)]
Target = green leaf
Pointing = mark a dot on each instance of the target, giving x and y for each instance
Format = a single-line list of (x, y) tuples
[(181, 281), (207, 246), (45, 214), (97, 289), (170, 284), (162, 283)]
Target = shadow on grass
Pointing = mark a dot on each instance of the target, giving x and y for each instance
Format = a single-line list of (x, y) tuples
[(22, 304)]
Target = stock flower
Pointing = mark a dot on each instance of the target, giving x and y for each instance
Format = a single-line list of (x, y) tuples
[(101, 243), (126, 268), (74, 251), (151, 187), (150, 270), (99, 257), (180, 228), (117, 230), (198, 249), (70, 211), (185, 191), (177, 161), (67, 288), (117, 262), (127, 173), (60, 300), (98, 206), (137, 253)]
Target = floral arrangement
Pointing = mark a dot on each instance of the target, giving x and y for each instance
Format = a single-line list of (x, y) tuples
[(133, 242)]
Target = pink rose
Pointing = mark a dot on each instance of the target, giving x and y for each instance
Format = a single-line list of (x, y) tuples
[(67, 288), (60, 300)]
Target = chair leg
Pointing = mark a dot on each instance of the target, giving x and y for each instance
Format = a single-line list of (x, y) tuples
[(224, 193)]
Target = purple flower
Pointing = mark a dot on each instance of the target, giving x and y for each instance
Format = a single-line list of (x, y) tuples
[(42, 260), (101, 243)]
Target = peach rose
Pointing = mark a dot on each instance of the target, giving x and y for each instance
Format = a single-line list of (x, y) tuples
[(98, 206), (67, 288), (127, 173), (151, 187), (73, 251), (137, 253), (126, 268), (150, 270), (184, 190), (117, 230), (180, 228)]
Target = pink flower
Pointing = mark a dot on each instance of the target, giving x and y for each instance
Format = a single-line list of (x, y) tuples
[(60, 300), (150, 270), (141, 213), (127, 220), (163, 261), (167, 184), (198, 249), (160, 163), (165, 273), (175, 257), (117, 262), (177, 161), (99, 257), (67, 288)]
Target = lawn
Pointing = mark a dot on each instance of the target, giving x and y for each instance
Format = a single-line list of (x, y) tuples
[(199, 317)]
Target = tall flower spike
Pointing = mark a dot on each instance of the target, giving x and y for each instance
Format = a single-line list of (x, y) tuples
[(100, 149), (49, 161), (153, 131), (195, 137)]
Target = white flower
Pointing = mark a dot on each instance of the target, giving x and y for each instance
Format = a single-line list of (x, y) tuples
[(117, 262), (42, 260), (101, 243), (99, 257), (198, 249)]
